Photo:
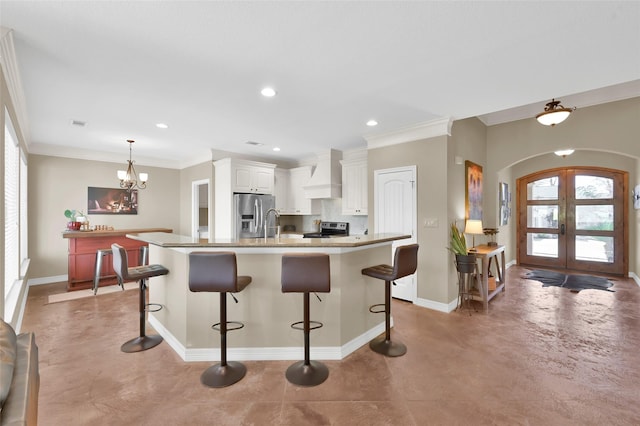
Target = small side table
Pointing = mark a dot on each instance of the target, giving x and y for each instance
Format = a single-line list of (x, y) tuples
[(486, 253)]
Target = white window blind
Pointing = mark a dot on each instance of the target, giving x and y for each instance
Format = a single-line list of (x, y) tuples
[(11, 203), (24, 252)]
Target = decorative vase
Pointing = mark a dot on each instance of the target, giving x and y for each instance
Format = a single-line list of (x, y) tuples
[(74, 226), (466, 263)]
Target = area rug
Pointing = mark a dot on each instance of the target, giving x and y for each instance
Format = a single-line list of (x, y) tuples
[(575, 283), (79, 294)]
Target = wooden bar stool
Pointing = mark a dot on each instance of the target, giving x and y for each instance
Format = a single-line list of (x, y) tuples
[(218, 272), (405, 263), (141, 274), (306, 273)]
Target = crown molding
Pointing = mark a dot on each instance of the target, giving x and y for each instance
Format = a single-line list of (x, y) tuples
[(109, 157), (426, 130), (9, 64)]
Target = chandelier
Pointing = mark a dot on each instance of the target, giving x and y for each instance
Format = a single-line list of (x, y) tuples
[(554, 113), (129, 179)]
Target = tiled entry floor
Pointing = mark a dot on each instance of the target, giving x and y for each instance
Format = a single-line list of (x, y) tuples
[(541, 356)]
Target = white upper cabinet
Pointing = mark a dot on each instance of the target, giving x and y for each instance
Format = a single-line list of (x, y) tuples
[(252, 177), (354, 187), (281, 190), (298, 203)]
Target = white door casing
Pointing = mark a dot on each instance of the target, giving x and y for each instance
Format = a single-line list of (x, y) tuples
[(197, 201), (395, 204)]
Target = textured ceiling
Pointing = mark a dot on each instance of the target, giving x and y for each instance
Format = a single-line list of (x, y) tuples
[(123, 66)]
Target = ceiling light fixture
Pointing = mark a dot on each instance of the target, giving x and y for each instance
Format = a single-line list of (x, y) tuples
[(268, 92), (564, 152), (372, 123), (554, 113), (129, 179), (162, 126), (276, 149)]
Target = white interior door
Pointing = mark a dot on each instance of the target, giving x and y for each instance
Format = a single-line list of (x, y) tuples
[(395, 212), (200, 209)]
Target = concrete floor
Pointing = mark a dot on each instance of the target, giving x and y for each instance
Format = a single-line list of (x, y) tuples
[(541, 356)]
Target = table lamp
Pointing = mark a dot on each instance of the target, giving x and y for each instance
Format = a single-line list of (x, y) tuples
[(473, 227)]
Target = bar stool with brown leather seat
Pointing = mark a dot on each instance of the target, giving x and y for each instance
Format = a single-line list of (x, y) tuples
[(141, 274), (306, 273), (405, 263), (218, 272)]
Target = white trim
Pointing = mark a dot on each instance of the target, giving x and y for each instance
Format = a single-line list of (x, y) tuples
[(48, 280), (265, 353), (9, 63), (437, 306), (426, 130), (195, 205), (633, 276)]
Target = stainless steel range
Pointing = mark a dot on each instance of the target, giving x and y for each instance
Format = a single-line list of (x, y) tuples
[(329, 230)]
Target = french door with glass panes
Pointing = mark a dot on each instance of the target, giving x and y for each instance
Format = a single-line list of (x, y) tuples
[(574, 218)]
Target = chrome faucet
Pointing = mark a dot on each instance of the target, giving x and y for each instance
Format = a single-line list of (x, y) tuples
[(266, 219)]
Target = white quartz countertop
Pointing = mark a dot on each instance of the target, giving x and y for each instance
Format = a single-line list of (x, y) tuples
[(163, 239)]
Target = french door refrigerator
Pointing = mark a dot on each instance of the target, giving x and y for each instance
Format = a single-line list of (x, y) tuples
[(250, 212)]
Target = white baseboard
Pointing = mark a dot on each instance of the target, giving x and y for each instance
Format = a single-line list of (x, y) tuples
[(633, 276), (436, 306), (48, 280), (266, 353)]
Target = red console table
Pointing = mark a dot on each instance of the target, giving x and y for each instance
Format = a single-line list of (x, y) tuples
[(83, 246)]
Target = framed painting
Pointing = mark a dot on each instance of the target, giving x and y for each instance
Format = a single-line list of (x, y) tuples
[(473, 190), (503, 203), (112, 201)]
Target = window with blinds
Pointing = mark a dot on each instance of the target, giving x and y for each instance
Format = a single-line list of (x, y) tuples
[(11, 208), (24, 253)]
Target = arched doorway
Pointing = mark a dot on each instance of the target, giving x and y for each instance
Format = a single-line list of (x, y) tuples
[(574, 218)]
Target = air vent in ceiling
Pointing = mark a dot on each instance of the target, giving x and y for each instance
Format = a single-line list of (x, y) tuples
[(78, 123), (254, 143)]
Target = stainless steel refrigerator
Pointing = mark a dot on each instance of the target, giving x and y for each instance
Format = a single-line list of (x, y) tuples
[(250, 212)]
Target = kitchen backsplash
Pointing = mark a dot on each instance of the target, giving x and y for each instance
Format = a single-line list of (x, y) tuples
[(332, 212)]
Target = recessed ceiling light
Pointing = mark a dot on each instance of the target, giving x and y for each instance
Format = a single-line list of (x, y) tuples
[(162, 126), (275, 148), (372, 123), (268, 92)]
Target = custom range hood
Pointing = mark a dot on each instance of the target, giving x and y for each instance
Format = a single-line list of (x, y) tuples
[(326, 180)]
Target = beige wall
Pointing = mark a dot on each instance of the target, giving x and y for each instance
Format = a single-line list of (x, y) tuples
[(430, 158), (187, 177), (56, 184), (605, 135)]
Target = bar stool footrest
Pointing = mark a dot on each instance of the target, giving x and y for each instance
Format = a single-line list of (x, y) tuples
[(373, 309), (312, 325), (235, 325), (152, 307)]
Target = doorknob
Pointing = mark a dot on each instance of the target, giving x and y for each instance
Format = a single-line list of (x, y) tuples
[(562, 229)]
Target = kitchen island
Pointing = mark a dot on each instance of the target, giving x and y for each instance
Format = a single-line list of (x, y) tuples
[(185, 322)]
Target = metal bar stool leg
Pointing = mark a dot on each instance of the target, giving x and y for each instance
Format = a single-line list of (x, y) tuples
[(383, 344), (96, 275), (225, 373), (142, 342), (307, 372)]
